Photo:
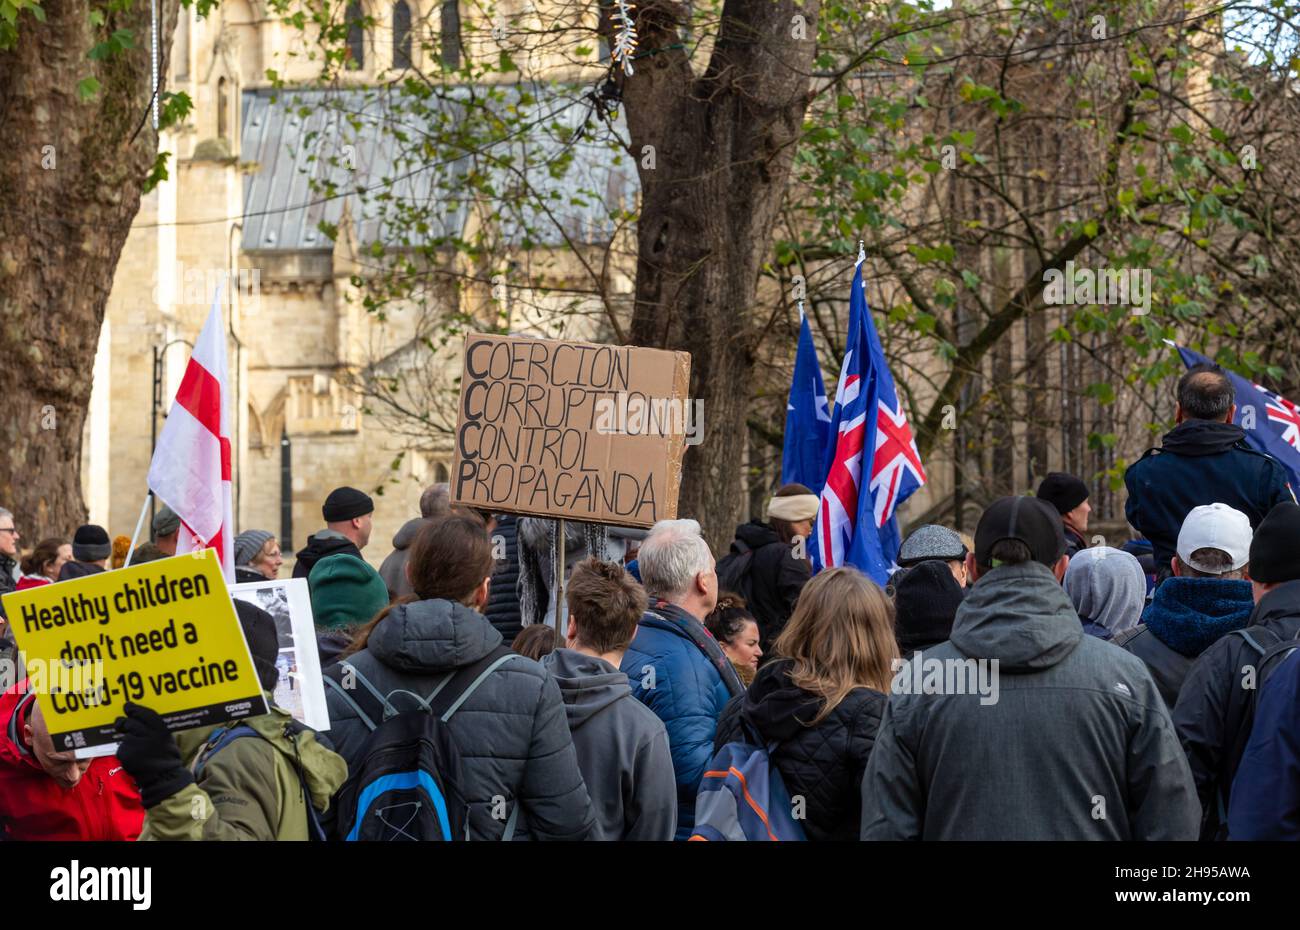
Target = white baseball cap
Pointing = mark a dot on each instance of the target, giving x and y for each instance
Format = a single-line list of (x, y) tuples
[(1215, 526)]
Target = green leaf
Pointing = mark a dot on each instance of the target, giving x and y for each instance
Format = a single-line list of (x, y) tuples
[(1102, 392), (87, 87), (158, 173)]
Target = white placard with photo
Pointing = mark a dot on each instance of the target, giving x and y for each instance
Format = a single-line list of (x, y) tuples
[(300, 689)]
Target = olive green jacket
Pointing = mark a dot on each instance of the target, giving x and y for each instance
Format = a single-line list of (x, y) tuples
[(250, 789)]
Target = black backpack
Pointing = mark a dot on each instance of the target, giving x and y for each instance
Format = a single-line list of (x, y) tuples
[(1270, 658), (733, 573), (407, 782)]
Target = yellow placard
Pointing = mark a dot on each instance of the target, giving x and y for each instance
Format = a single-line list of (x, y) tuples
[(163, 634)]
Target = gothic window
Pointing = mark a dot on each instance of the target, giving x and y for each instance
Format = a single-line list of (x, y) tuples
[(223, 109), (356, 35), (451, 35), (401, 35)]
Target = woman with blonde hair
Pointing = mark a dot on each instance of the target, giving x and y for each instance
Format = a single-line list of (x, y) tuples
[(817, 704)]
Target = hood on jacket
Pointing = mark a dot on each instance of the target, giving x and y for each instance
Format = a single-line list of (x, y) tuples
[(325, 543), (1281, 603), (1019, 615), (1202, 437), (323, 770), (1107, 587), (12, 749), (74, 569), (432, 636), (588, 684), (777, 707), (1190, 614), (754, 535), (403, 538)]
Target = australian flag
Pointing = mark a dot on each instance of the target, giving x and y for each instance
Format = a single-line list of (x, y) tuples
[(873, 463), (807, 420), (1271, 422)]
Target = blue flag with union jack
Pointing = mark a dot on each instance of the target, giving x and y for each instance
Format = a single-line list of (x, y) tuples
[(1271, 422), (855, 520), (807, 419)]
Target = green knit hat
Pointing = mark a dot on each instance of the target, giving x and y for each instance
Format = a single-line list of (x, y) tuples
[(345, 591)]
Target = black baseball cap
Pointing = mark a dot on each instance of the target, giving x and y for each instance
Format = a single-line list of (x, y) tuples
[(1031, 520)]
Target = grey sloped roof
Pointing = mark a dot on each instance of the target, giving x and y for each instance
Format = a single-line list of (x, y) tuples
[(579, 182)]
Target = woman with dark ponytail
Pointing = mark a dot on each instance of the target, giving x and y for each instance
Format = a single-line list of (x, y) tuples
[(736, 631)]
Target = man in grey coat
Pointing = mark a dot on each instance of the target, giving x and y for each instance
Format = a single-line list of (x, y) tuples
[(622, 746), (1021, 727), (434, 503), (514, 743)]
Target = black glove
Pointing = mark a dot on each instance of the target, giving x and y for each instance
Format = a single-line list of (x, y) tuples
[(150, 755)]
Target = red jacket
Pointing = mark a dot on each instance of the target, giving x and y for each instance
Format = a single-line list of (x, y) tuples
[(105, 804)]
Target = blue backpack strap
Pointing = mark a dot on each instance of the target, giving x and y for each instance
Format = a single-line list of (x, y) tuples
[(473, 686), (219, 739), (1251, 641), (331, 677)]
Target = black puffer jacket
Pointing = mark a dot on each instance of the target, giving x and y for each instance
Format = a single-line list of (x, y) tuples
[(502, 608), (823, 764), (512, 732), (8, 574), (769, 580)]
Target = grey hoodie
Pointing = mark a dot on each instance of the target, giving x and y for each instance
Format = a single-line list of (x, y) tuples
[(1076, 743), (622, 749), (1108, 588)]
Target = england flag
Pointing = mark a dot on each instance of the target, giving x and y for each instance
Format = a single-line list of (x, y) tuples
[(190, 470)]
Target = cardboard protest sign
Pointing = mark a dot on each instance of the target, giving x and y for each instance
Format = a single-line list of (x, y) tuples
[(300, 689), (572, 429), (163, 634)]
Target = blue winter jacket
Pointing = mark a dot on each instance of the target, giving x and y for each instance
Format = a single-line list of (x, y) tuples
[(1199, 462), (672, 676), (1266, 792)]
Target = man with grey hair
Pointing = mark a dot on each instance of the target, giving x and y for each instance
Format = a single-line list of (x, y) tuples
[(434, 503), (8, 552), (674, 666)]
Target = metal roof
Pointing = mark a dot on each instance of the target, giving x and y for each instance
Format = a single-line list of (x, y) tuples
[(579, 182)]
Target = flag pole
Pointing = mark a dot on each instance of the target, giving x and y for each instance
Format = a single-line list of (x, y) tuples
[(557, 569), (138, 524)]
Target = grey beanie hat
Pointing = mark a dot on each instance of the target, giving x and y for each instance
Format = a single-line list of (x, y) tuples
[(165, 522), (931, 542), (249, 543)]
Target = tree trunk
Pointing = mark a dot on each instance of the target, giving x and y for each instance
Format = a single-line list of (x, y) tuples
[(70, 184), (712, 181)]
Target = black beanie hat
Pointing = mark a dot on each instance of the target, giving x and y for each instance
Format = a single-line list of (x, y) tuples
[(346, 504), (91, 543), (263, 641), (1063, 491), (926, 598), (1275, 547)]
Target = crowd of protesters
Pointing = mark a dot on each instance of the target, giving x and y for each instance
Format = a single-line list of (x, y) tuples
[(1025, 682)]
